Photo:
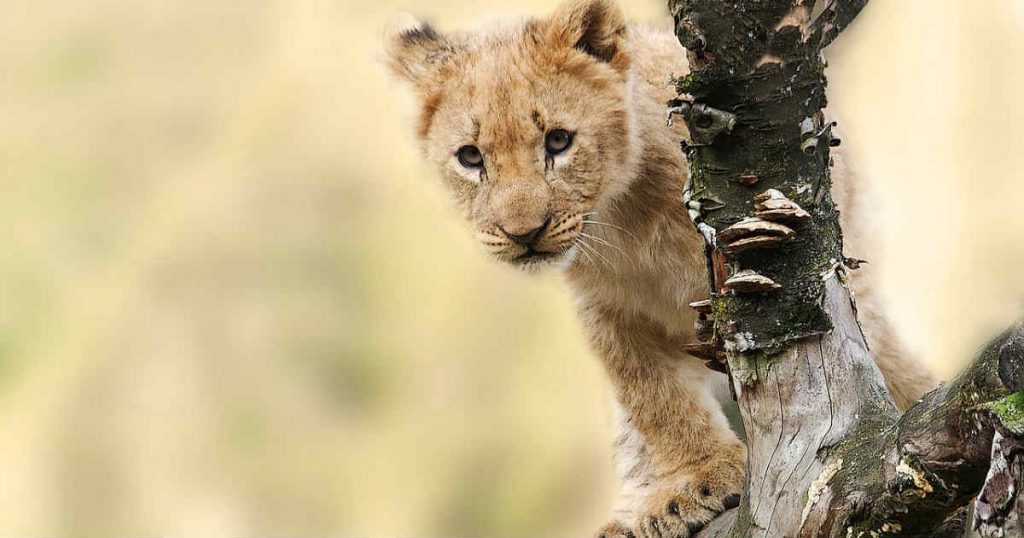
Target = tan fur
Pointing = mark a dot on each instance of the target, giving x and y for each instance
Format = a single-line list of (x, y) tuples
[(617, 227)]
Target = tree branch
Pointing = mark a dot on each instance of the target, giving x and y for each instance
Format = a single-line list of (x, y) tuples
[(829, 453)]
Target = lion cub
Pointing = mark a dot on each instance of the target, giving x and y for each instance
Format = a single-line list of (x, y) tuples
[(550, 134)]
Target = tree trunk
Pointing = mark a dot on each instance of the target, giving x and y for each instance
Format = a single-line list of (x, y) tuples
[(829, 453)]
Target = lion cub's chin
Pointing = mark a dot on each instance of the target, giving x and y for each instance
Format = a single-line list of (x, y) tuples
[(534, 261)]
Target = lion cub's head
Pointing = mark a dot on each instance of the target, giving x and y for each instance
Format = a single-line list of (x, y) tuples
[(529, 123)]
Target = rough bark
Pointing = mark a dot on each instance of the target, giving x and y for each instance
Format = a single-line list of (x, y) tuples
[(829, 453)]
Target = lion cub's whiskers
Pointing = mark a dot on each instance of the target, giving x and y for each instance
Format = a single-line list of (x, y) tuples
[(585, 253), (586, 250), (583, 243), (603, 242), (619, 228)]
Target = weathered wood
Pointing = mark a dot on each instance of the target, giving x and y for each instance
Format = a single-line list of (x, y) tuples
[(829, 456), (999, 509), (802, 405)]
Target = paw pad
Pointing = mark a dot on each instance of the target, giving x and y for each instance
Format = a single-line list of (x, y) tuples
[(732, 501)]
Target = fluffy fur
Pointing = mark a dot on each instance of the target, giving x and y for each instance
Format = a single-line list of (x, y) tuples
[(611, 218)]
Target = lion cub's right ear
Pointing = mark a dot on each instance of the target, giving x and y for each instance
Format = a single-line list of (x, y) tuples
[(595, 27), (415, 51)]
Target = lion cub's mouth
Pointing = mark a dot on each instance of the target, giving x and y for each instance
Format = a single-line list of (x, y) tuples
[(535, 255), (536, 258)]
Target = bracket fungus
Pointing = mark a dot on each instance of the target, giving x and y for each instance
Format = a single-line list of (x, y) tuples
[(774, 206), (749, 281), (754, 232), (711, 353), (748, 180), (702, 307)]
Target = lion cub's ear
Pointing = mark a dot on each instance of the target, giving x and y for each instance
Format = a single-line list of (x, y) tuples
[(415, 51), (596, 27)]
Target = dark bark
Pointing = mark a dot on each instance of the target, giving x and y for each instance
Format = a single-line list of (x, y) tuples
[(829, 453)]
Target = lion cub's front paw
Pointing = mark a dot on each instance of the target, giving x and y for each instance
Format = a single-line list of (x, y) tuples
[(615, 529), (686, 502)]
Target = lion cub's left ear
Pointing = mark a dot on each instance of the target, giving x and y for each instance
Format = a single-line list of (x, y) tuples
[(596, 27), (415, 51)]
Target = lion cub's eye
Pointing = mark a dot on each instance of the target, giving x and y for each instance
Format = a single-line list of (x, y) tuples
[(470, 157), (557, 141)]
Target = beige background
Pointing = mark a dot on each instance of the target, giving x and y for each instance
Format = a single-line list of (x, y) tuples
[(233, 301)]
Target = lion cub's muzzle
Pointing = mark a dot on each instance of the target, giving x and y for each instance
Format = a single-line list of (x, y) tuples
[(530, 237), (547, 243)]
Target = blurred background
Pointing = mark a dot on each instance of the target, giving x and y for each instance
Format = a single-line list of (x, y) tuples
[(233, 300)]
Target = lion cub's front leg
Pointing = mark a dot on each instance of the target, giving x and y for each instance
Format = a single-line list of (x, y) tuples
[(679, 462), (686, 500)]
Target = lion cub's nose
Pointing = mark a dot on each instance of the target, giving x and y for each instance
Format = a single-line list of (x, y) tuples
[(527, 239)]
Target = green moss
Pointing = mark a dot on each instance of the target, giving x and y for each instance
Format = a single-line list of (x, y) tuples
[(1010, 411), (687, 84)]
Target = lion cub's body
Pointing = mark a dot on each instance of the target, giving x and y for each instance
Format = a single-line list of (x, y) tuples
[(614, 223)]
